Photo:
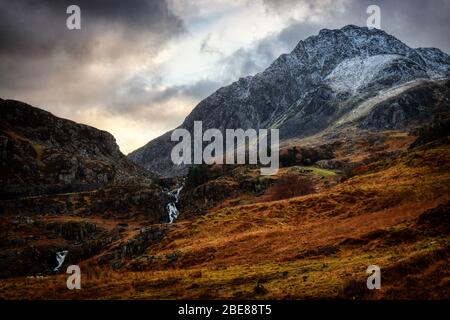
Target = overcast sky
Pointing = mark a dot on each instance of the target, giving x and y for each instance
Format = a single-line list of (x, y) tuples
[(138, 67)]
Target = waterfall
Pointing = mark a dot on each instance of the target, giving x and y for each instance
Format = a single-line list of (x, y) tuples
[(60, 256), (171, 207), (173, 211)]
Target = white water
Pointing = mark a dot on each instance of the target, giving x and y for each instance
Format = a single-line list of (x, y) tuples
[(173, 211), (172, 206), (60, 256)]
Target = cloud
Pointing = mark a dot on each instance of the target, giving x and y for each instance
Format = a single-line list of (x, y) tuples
[(313, 7), (418, 23), (34, 28), (143, 110), (37, 49), (73, 73), (139, 91)]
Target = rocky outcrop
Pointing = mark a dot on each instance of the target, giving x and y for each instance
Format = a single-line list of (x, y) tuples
[(117, 202), (35, 254), (74, 230), (133, 247), (436, 132), (410, 108), (41, 153)]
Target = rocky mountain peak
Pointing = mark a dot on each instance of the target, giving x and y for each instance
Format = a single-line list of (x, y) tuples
[(320, 85)]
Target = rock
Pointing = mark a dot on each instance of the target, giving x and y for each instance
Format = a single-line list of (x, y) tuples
[(259, 289), (135, 246), (73, 230)]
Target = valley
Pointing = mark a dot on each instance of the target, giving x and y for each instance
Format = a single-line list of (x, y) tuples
[(363, 179), (392, 212)]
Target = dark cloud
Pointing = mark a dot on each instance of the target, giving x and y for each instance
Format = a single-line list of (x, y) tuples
[(415, 22), (418, 23), (138, 92), (44, 63), (32, 27), (37, 48), (81, 74)]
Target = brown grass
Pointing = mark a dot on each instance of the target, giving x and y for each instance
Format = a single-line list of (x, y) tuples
[(290, 185), (310, 246)]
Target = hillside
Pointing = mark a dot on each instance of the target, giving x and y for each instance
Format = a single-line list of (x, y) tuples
[(67, 187), (391, 210), (41, 153)]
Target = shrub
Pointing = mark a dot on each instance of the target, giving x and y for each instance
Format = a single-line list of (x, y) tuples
[(289, 159), (360, 170), (197, 175), (347, 172), (291, 185), (354, 289)]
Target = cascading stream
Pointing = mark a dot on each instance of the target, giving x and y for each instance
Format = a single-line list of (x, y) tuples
[(171, 207), (60, 256)]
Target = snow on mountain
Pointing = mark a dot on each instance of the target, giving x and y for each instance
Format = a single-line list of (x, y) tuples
[(352, 74)]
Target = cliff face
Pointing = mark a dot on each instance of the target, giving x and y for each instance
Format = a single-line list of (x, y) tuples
[(333, 79), (67, 189), (41, 153)]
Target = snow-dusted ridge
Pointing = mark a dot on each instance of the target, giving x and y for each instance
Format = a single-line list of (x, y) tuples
[(354, 73)]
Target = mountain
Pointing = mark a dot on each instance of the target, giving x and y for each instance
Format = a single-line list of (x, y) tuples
[(363, 180), (353, 76), (41, 153)]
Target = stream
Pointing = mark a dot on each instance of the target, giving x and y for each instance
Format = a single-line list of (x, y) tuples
[(171, 207), (60, 256)]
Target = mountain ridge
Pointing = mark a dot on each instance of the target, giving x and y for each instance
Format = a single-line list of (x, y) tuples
[(294, 93), (42, 153)]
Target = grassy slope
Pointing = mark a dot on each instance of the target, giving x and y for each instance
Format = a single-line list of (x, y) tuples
[(314, 246)]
